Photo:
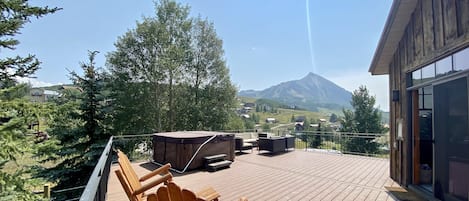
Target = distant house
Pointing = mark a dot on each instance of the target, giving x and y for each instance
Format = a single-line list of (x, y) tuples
[(270, 120), (300, 119), (314, 125), (42, 95), (299, 126), (322, 120), (424, 50), (251, 105)]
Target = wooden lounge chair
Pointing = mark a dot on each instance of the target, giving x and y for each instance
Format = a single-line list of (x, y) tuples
[(132, 184), (172, 192)]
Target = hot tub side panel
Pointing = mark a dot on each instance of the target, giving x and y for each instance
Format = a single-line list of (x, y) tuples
[(179, 152), (220, 145)]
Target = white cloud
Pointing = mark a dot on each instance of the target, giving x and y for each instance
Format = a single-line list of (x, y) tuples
[(376, 85), (35, 82)]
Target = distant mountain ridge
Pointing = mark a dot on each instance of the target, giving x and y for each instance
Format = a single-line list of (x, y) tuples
[(311, 92)]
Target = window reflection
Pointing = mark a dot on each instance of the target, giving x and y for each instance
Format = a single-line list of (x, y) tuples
[(444, 66), (417, 77), (461, 60), (457, 62), (428, 72)]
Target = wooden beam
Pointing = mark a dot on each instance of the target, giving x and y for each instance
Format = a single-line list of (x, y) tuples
[(450, 20), (416, 136), (428, 27)]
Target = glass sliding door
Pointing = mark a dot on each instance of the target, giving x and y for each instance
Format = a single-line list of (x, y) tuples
[(451, 140)]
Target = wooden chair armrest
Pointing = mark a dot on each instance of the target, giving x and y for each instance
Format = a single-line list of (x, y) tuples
[(152, 184), (162, 169), (208, 194)]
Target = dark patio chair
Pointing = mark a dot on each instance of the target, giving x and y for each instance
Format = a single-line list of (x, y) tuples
[(273, 145), (289, 142), (240, 145)]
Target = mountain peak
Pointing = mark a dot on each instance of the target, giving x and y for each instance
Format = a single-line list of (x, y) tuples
[(308, 92), (310, 74)]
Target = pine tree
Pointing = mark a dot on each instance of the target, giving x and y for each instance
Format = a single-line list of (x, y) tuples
[(364, 118), (15, 111), (80, 130), (333, 118)]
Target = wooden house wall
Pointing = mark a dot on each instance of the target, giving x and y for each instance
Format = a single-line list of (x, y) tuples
[(436, 29)]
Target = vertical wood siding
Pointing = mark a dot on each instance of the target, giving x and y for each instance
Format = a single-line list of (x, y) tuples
[(436, 28)]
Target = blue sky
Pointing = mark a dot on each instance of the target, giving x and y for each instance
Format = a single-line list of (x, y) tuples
[(265, 42)]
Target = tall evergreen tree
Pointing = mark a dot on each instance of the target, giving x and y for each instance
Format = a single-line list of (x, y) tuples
[(14, 14), (364, 118), (80, 130), (15, 112)]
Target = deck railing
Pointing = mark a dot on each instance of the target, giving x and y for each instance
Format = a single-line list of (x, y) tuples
[(139, 147), (96, 188), (367, 144)]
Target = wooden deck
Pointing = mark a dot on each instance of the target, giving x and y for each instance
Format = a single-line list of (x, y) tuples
[(295, 175)]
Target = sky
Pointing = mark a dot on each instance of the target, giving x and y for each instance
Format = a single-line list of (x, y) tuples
[(265, 42)]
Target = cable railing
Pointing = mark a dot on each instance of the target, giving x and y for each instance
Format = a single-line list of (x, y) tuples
[(96, 188), (366, 144), (137, 147), (140, 148)]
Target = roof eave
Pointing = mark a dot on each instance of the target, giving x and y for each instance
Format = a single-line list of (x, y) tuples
[(396, 23)]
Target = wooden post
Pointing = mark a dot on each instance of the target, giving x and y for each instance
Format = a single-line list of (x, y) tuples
[(47, 191)]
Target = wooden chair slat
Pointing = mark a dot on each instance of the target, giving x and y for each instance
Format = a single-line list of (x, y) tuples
[(174, 192), (163, 194), (131, 183)]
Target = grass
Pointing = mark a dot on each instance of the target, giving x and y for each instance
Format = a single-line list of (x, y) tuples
[(283, 116)]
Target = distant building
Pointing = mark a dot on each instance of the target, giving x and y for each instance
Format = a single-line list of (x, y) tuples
[(300, 119), (270, 120), (251, 105), (42, 95), (299, 126)]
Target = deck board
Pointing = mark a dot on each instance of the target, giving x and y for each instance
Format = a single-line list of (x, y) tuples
[(295, 175)]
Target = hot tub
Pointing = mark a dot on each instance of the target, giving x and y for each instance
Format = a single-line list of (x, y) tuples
[(178, 148)]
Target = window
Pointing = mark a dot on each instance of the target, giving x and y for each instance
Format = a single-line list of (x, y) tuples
[(444, 66), (461, 60), (417, 77), (428, 72), (453, 63)]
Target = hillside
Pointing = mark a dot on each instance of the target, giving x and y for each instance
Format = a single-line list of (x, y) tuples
[(312, 92)]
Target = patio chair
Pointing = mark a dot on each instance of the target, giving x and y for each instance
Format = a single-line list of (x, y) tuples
[(240, 145), (273, 144), (132, 184), (172, 192)]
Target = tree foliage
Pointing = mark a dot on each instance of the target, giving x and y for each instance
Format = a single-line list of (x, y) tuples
[(80, 130), (14, 14), (15, 111), (169, 74), (364, 118), (333, 118)]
